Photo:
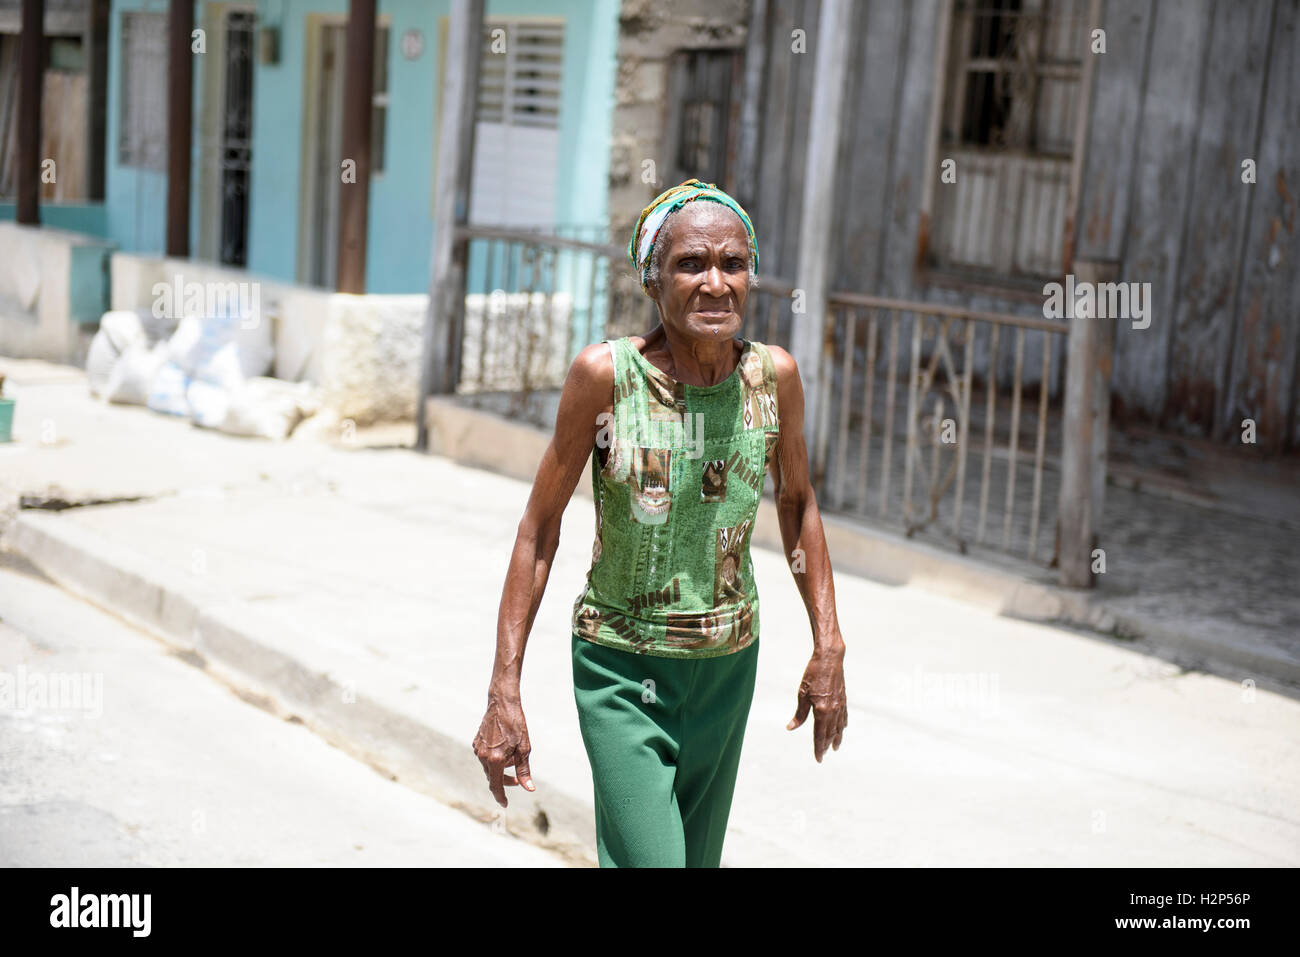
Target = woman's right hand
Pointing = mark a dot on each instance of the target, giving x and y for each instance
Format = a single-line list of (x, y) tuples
[(502, 742)]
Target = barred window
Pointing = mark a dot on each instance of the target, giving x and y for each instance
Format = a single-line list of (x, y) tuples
[(1008, 122)]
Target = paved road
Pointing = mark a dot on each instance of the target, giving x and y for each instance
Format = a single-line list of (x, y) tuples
[(156, 764)]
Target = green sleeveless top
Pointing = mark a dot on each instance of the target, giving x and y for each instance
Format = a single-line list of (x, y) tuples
[(675, 502)]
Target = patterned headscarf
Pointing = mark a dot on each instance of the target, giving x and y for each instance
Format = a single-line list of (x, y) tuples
[(652, 218)]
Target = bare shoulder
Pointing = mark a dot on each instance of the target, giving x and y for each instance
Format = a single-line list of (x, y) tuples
[(780, 358), (592, 369), (588, 391), (787, 372)]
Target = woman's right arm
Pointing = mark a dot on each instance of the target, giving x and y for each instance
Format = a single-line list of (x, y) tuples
[(502, 740)]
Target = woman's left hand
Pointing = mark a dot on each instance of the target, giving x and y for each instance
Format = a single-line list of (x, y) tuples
[(822, 692)]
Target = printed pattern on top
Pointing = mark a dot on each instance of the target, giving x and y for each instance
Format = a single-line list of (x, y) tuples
[(670, 572)]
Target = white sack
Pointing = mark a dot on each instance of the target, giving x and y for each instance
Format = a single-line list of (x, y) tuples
[(167, 391), (117, 330), (133, 373), (269, 408)]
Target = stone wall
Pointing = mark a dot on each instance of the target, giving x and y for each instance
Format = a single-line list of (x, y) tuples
[(649, 31), (363, 352)]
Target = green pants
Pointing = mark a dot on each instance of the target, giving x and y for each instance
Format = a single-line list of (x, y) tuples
[(663, 736)]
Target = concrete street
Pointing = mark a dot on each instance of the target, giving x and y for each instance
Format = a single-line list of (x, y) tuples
[(356, 588), (167, 767)]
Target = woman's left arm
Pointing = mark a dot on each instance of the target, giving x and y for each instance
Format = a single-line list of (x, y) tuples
[(822, 688)]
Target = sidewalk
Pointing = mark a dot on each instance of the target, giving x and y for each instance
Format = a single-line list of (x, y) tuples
[(356, 589), (1202, 542)]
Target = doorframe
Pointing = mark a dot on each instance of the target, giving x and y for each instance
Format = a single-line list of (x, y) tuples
[(211, 124), (314, 25)]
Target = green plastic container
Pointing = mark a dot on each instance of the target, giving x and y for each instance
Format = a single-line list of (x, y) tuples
[(6, 419)]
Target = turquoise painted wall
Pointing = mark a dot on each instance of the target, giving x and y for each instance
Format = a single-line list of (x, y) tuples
[(400, 227), (89, 218)]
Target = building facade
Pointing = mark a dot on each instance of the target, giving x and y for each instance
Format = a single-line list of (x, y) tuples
[(268, 93)]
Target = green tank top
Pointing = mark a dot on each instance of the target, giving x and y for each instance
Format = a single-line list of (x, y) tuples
[(675, 502)]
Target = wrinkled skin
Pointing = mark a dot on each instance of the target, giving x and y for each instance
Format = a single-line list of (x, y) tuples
[(502, 742), (700, 289), (822, 692)]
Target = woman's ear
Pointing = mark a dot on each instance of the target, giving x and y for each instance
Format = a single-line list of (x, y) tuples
[(652, 284)]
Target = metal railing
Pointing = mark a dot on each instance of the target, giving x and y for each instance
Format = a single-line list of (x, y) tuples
[(938, 420), (935, 419), (533, 300)]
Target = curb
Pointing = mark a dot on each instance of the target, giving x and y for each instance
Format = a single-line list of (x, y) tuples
[(208, 629)]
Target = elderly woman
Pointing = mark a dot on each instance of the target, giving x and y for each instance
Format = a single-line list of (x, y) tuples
[(681, 424)]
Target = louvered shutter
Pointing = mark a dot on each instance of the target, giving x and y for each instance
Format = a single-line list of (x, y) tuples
[(517, 131)]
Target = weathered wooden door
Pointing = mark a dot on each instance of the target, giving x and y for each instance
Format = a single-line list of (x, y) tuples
[(702, 117)]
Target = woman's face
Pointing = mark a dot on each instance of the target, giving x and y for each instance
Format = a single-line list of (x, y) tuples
[(704, 273)]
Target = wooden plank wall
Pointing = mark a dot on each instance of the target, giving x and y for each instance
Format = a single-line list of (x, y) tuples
[(1161, 195), (865, 164), (1201, 333), (1185, 91), (1263, 382), (783, 134)]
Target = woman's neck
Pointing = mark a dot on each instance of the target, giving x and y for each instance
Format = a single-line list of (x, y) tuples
[(699, 362)]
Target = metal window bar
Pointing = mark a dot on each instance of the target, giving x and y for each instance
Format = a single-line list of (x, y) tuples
[(867, 410), (846, 393), (517, 293), (946, 353), (990, 416), (1044, 387), (1015, 439)]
